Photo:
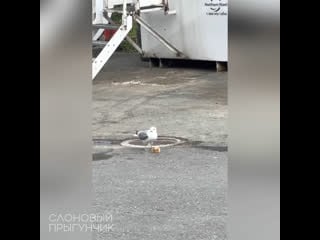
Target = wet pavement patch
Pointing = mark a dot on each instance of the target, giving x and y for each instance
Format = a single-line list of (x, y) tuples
[(214, 148), (105, 142), (207, 146), (101, 156), (102, 144)]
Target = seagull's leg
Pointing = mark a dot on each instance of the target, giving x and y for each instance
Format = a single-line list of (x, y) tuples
[(147, 145)]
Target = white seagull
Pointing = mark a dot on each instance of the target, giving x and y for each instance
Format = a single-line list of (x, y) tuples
[(147, 136)]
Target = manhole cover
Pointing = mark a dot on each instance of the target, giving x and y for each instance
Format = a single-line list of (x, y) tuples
[(161, 142)]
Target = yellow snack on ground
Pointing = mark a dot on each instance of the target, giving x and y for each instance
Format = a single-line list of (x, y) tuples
[(155, 149)]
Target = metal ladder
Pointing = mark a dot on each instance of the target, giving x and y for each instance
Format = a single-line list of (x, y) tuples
[(130, 11)]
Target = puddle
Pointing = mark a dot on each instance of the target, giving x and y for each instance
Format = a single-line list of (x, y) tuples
[(102, 144), (206, 146), (101, 156), (134, 83)]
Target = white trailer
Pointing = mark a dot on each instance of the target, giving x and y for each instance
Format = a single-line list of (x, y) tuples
[(170, 29), (198, 28)]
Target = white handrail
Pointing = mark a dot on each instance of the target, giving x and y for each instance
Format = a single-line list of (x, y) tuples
[(124, 13)]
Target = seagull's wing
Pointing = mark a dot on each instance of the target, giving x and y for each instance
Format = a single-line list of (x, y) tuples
[(143, 135)]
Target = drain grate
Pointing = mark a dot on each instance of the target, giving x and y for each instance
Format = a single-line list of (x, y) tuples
[(162, 141)]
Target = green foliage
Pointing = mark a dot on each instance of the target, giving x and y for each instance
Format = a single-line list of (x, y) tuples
[(125, 46)]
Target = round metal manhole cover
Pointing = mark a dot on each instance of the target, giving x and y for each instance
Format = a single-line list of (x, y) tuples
[(162, 141)]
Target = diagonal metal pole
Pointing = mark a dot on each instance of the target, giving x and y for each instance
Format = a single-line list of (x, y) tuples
[(129, 39), (159, 37)]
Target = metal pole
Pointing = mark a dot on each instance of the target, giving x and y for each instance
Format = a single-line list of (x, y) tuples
[(158, 37), (124, 13), (99, 11), (129, 39), (134, 45)]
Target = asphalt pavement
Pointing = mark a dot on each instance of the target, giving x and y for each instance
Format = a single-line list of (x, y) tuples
[(179, 193)]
